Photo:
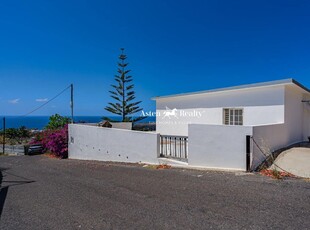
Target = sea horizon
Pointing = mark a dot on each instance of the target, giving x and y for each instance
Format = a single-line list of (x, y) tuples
[(40, 121)]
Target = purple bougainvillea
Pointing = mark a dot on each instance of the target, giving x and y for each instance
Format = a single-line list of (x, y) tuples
[(55, 141)]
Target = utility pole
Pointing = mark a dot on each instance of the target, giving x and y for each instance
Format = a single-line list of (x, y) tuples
[(3, 143), (71, 103)]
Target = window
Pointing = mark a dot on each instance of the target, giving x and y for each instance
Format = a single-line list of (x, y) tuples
[(233, 117)]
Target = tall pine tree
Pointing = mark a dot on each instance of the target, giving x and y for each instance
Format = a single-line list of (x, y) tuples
[(123, 94)]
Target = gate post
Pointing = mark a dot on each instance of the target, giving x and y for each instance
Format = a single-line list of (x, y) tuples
[(248, 153)]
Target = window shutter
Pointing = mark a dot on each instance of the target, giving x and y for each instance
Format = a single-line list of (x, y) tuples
[(233, 116), (226, 116)]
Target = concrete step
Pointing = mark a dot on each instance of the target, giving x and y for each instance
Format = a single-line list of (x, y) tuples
[(172, 162)]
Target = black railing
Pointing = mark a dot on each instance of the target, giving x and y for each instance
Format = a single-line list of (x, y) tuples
[(174, 146)]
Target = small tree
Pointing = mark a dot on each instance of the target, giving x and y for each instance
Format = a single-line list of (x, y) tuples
[(56, 122), (123, 94), (23, 132)]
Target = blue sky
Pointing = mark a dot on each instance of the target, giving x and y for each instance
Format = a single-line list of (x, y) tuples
[(172, 47)]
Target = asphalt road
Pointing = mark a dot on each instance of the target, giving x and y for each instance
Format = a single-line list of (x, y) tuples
[(42, 193)]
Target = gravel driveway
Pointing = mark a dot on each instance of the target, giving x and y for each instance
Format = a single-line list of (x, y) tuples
[(42, 193)]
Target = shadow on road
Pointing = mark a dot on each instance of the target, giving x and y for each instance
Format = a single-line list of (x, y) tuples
[(4, 189)]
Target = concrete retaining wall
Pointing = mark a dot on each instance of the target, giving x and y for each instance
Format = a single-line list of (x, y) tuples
[(270, 138)]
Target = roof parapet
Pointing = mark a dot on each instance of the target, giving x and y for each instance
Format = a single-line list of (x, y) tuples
[(254, 85)]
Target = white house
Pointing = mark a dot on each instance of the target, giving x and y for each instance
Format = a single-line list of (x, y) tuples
[(232, 128), (276, 113), (275, 102)]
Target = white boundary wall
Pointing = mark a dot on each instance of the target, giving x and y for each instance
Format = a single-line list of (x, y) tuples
[(224, 147), (272, 137), (209, 146), (109, 144), (218, 146)]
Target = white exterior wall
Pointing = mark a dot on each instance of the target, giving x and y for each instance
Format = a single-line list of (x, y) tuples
[(261, 106), (108, 144), (306, 121), (294, 113), (306, 116), (296, 116), (218, 146), (295, 128)]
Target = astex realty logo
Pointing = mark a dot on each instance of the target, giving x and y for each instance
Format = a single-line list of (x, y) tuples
[(173, 113), (170, 112)]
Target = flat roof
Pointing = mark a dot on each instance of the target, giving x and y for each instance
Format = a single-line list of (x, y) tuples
[(261, 84)]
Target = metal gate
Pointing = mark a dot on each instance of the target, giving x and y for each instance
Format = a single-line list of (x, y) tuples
[(174, 147)]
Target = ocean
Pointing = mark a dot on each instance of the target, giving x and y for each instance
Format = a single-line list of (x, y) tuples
[(39, 122)]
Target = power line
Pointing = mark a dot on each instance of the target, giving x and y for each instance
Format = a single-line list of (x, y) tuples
[(32, 111)]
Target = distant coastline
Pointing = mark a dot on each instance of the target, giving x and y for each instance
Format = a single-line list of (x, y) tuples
[(39, 122)]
